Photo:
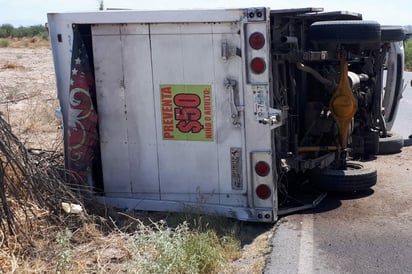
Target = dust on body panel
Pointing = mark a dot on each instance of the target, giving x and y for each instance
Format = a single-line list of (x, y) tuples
[(126, 110), (166, 112), (189, 74)]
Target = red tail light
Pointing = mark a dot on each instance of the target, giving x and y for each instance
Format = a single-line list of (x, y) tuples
[(262, 168), (263, 192), (258, 65), (257, 40)]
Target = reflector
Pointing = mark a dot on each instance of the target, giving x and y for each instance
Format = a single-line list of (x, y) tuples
[(258, 65), (262, 168), (263, 192), (257, 40)]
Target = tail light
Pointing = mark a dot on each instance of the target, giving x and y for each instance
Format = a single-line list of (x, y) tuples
[(258, 65), (262, 168), (263, 185), (257, 40), (257, 53), (263, 192)]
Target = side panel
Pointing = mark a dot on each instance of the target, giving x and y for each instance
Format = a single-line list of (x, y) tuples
[(61, 38)]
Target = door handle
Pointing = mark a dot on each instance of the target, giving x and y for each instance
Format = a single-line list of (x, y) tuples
[(235, 109)]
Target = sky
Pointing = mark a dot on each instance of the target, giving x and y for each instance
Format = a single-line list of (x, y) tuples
[(34, 12)]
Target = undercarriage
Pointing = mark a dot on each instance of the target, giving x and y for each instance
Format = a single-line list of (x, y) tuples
[(328, 76)]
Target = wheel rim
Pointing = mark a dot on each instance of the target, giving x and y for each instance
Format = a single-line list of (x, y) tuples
[(353, 166)]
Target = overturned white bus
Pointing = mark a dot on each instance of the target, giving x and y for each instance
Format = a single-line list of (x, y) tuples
[(232, 112)]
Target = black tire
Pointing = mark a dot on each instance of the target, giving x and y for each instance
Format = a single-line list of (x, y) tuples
[(346, 32), (391, 144), (392, 34), (356, 177)]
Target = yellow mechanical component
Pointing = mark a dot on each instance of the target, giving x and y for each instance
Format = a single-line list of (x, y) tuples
[(343, 105)]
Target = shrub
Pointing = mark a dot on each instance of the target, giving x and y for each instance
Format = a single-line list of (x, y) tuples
[(159, 248), (408, 54), (64, 251), (21, 32), (44, 35), (6, 30), (203, 251), (4, 43)]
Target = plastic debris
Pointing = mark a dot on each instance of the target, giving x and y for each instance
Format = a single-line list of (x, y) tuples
[(72, 208)]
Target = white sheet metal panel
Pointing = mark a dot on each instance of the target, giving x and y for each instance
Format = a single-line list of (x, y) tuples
[(259, 136), (149, 16), (228, 136), (190, 170), (140, 111), (132, 120), (136, 157), (62, 60), (110, 96), (187, 169)]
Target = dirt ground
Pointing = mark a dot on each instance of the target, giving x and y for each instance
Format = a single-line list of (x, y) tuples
[(28, 96)]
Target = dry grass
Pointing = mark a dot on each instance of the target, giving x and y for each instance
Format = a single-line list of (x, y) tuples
[(84, 250), (11, 66), (32, 188), (26, 42)]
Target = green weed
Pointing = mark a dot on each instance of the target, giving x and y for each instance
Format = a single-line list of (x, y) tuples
[(158, 248), (64, 252), (4, 43), (408, 55)]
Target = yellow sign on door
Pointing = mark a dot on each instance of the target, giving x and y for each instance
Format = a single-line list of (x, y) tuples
[(187, 112)]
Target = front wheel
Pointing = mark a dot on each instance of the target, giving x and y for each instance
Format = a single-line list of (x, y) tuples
[(392, 34), (346, 32), (355, 177), (390, 144)]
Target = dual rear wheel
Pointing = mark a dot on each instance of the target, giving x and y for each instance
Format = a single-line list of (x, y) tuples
[(356, 176)]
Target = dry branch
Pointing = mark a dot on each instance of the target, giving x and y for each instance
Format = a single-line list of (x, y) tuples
[(32, 188)]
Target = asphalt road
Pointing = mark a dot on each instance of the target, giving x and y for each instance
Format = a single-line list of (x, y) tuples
[(370, 232)]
